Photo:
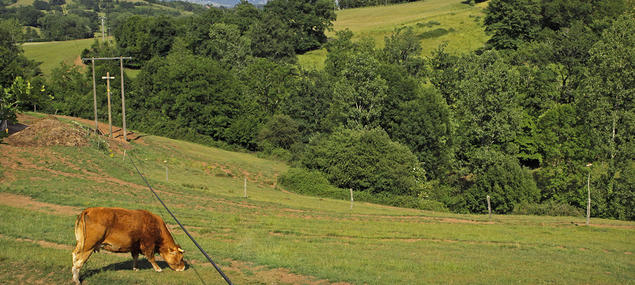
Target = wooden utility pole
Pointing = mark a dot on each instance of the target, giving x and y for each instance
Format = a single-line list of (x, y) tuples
[(95, 97), (108, 77), (121, 58), (123, 100)]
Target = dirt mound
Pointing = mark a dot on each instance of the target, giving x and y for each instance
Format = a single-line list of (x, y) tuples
[(49, 131)]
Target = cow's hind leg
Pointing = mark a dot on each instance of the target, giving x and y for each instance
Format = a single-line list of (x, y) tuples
[(135, 257), (79, 258)]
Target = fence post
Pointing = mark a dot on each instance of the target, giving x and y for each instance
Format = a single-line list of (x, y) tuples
[(489, 207), (351, 189)]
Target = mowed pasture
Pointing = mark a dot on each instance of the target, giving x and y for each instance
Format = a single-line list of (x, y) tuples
[(434, 22), (274, 236), (52, 54)]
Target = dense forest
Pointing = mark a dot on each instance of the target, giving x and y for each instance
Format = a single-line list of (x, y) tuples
[(545, 105)]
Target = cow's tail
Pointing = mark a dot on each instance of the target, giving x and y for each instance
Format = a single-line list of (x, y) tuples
[(80, 231)]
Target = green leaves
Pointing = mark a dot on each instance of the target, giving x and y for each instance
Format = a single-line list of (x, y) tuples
[(365, 160)]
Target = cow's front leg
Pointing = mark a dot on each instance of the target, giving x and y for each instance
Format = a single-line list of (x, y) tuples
[(150, 256)]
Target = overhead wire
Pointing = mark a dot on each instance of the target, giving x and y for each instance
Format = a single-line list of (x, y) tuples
[(179, 223)]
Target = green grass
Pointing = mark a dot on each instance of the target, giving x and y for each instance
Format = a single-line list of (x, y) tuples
[(462, 23), (272, 228), (52, 54)]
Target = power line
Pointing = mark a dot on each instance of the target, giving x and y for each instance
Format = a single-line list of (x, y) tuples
[(180, 225)]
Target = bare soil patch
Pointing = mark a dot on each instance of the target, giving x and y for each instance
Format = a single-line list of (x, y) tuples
[(263, 275), (47, 132), (26, 202)]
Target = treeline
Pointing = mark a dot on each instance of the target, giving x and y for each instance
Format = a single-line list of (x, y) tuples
[(527, 119), (57, 20)]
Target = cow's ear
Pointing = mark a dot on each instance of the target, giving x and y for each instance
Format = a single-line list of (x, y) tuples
[(181, 250)]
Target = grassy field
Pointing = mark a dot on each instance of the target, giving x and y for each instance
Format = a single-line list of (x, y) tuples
[(52, 54), (273, 236), (435, 21)]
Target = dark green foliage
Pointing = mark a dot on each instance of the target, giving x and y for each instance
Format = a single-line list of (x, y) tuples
[(404, 49), (58, 27), (314, 183), (434, 33), (145, 37), (271, 38), (547, 209), (72, 92), (365, 160), (13, 63), (280, 131), (308, 103), (499, 176), (307, 20), (510, 22), (311, 182), (185, 92)]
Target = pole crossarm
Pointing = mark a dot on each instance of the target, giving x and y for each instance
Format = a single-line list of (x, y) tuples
[(106, 58)]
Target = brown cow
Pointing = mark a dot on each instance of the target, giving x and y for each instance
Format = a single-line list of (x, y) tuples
[(123, 230)]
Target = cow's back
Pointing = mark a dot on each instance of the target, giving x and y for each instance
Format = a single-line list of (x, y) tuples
[(118, 229)]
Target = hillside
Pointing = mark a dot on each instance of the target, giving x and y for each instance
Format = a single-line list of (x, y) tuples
[(435, 21), (273, 236)]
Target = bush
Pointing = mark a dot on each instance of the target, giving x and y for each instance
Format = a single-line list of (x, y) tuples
[(314, 183), (501, 177), (310, 182), (365, 160), (549, 208)]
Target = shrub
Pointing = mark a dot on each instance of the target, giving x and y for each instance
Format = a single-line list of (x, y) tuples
[(549, 208), (365, 160), (501, 177), (314, 183)]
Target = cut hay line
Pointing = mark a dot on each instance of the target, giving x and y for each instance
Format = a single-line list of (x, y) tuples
[(25, 202)]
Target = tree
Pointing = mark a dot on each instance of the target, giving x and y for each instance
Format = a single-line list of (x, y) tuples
[(404, 48), (499, 176), (184, 94), (607, 105), (359, 93), (365, 160), (145, 37), (228, 46), (13, 63), (511, 22), (60, 27), (306, 19), (308, 103), (271, 38), (280, 131)]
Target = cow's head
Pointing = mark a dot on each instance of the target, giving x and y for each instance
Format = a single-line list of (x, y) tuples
[(174, 257)]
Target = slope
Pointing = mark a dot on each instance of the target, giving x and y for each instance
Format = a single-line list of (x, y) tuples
[(435, 21), (274, 236)]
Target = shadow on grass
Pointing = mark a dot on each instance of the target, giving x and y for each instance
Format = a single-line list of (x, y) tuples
[(142, 264)]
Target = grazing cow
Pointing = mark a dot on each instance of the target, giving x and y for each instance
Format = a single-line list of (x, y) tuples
[(123, 230)]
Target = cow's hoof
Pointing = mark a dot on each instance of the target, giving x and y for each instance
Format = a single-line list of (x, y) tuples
[(135, 269), (158, 270)]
